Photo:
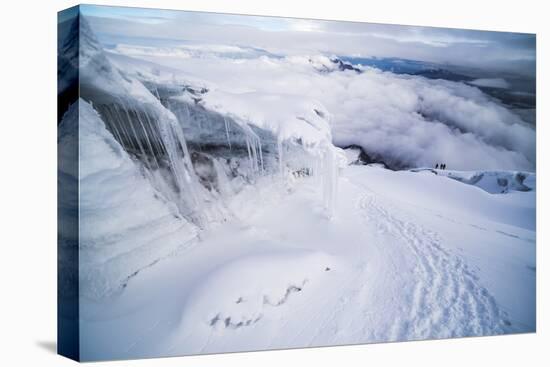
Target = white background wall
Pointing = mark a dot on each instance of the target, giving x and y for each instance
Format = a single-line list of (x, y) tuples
[(28, 182)]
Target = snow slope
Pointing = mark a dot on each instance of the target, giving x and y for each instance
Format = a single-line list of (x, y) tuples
[(391, 265)]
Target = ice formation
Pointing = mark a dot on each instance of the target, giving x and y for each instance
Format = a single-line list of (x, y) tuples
[(186, 125), (126, 225), (185, 148)]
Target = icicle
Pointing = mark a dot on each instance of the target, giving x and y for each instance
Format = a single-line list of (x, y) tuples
[(110, 121), (180, 166), (137, 138), (123, 125), (227, 132), (148, 141), (249, 152), (157, 91), (115, 128), (155, 135), (261, 155), (124, 129), (254, 154)]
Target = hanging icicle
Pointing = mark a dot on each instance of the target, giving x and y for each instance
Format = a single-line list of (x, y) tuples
[(227, 132)]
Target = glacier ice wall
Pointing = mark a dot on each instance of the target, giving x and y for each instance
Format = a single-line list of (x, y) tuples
[(126, 224)]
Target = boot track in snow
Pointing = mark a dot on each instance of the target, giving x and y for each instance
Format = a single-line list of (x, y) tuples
[(446, 299)]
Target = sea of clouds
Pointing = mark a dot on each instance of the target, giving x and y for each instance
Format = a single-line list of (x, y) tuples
[(406, 121)]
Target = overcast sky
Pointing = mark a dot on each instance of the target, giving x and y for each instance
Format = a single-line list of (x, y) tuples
[(492, 51)]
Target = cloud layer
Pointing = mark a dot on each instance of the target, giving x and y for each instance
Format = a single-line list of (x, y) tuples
[(502, 51), (409, 121)]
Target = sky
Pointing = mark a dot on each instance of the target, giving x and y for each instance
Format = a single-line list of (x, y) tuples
[(487, 50)]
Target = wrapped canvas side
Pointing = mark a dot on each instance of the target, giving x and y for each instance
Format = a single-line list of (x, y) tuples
[(68, 343)]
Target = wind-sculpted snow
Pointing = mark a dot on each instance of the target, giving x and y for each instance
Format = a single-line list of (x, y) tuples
[(407, 121), (262, 282)]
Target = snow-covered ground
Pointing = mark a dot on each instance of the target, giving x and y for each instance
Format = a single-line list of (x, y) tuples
[(218, 212), (407, 256)]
